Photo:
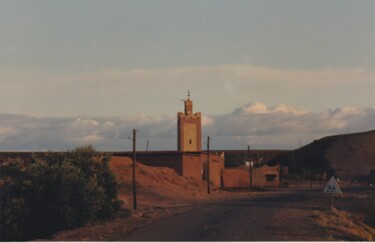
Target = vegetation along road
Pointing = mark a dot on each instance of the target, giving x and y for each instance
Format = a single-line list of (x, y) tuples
[(269, 217)]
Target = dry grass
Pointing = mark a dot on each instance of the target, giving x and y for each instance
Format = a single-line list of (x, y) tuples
[(350, 225)]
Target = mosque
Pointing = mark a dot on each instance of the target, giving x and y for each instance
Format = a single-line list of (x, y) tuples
[(191, 161)]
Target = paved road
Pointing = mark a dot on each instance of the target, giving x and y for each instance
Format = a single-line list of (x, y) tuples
[(269, 217)]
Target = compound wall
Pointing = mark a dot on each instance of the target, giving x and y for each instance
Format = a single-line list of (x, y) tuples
[(192, 166), (265, 176)]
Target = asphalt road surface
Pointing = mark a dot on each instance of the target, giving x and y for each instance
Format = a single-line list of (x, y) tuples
[(270, 217)]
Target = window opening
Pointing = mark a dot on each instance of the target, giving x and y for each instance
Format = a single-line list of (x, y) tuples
[(270, 177)]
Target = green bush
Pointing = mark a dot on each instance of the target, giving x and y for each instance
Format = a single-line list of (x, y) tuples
[(57, 192)]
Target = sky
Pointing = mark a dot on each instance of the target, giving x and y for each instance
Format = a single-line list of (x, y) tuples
[(272, 74)]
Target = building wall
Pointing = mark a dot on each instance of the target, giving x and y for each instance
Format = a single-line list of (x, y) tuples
[(216, 167), (235, 178), (192, 166), (266, 176), (170, 160)]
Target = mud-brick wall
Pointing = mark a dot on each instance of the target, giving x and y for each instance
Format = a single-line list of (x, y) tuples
[(269, 170), (173, 161), (192, 166), (216, 166), (235, 178), (240, 177)]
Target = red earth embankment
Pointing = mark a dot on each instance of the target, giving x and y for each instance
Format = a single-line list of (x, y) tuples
[(158, 185)]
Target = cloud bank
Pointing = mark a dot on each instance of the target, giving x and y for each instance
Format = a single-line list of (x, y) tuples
[(216, 89), (256, 124)]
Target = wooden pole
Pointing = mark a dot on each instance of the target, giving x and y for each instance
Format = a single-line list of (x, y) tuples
[(331, 201), (208, 165), (134, 182), (251, 168)]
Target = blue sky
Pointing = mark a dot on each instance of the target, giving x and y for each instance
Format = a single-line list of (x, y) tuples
[(138, 58)]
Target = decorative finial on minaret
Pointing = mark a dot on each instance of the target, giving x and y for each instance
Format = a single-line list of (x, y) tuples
[(188, 105)]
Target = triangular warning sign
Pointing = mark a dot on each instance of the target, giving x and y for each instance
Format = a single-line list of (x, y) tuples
[(332, 186)]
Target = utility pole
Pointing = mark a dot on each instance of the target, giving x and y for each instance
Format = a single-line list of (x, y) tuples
[(260, 171), (311, 177), (147, 146), (251, 167), (259, 160), (208, 165), (134, 183)]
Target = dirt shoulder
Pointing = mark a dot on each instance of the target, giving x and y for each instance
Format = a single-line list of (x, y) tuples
[(353, 215)]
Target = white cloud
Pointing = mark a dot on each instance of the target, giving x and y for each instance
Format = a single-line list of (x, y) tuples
[(256, 124), (256, 108), (260, 108)]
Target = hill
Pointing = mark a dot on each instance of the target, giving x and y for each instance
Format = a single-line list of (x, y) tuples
[(349, 156)]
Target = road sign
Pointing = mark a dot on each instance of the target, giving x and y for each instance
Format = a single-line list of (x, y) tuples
[(332, 186)]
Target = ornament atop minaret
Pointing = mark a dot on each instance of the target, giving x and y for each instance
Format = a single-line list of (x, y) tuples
[(188, 105), (189, 129)]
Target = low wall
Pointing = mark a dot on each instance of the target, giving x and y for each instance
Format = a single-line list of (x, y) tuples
[(158, 159), (192, 166), (235, 178), (266, 176), (216, 166)]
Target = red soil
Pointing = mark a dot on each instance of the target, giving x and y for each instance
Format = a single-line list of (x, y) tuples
[(155, 184)]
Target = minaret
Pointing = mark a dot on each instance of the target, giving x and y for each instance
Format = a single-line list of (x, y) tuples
[(189, 130)]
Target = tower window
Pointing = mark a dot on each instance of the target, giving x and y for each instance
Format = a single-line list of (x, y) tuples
[(190, 141)]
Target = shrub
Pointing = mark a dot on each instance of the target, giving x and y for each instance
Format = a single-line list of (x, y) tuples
[(59, 191)]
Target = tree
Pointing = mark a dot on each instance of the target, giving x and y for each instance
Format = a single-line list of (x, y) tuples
[(56, 192)]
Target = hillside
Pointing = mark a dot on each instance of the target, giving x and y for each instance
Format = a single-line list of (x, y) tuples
[(349, 156)]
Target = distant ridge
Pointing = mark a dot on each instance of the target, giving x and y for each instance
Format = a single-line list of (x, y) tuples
[(348, 156)]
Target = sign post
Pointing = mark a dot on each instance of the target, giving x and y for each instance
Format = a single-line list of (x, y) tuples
[(333, 188)]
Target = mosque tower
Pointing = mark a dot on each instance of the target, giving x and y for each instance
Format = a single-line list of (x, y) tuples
[(189, 129)]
